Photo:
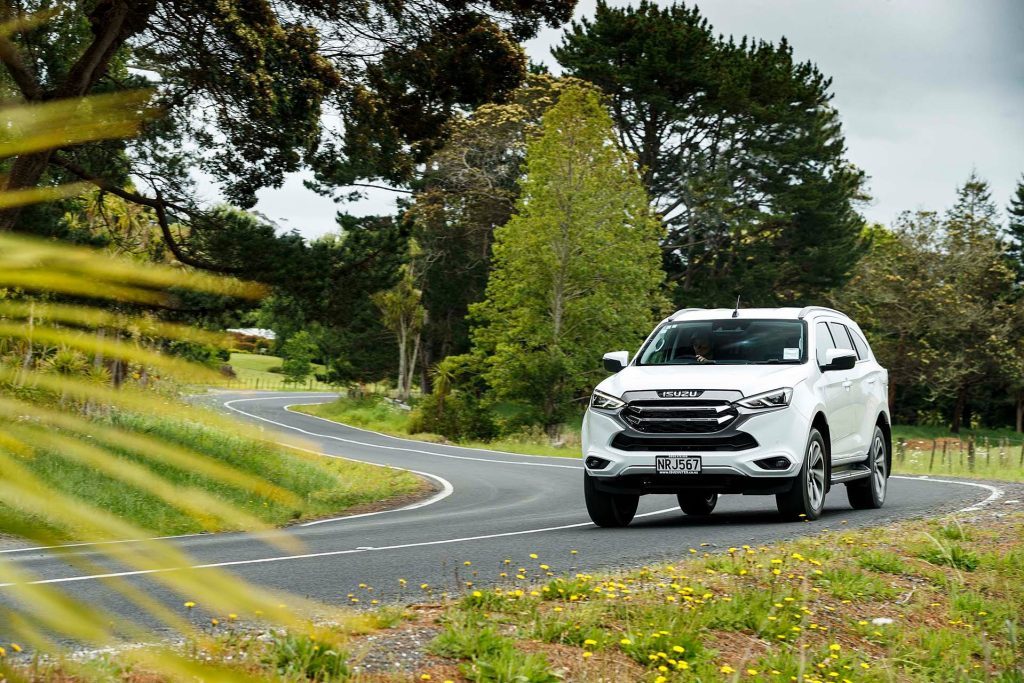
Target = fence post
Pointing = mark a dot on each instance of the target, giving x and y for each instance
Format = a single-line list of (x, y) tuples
[(945, 447), (970, 453), (988, 453), (901, 450), (931, 460), (961, 443), (1022, 454)]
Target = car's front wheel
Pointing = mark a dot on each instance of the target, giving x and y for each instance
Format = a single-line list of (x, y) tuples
[(697, 504), (806, 498), (608, 509), (869, 493)]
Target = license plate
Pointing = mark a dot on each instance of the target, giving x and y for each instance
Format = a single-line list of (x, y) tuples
[(665, 464)]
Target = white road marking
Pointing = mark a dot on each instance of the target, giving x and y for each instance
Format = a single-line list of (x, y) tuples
[(446, 490), (229, 406), (995, 493), (329, 553), (412, 441)]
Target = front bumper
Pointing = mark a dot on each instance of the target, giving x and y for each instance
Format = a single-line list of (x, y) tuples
[(728, 458)]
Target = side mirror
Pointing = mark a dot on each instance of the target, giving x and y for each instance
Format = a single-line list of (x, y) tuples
[(839, 359), (616, 360)]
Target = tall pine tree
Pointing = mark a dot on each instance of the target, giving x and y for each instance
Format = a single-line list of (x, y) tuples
[(1015, 230), (742, 151)]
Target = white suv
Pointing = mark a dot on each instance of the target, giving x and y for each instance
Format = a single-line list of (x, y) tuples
[(777, 401)]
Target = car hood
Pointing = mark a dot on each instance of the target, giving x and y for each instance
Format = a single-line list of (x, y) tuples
[(748, 379)]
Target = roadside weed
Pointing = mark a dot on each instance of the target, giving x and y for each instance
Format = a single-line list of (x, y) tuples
[(509, 665), (882, 561), (303, 657)]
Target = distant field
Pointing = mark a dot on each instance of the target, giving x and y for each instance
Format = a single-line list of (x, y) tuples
[(252, 371)]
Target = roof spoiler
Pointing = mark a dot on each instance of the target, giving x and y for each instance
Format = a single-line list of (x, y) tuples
[(807, 310)]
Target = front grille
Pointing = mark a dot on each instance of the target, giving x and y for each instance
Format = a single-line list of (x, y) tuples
[(738, 441), (679, 416)]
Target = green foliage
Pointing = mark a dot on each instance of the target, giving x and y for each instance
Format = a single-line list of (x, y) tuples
[(470, 186), (306, 658), (575, 270), (741, 149), (1015, 231), (509, 665), (882, 561), (465, 636), (953, 555), (459, 416), (298, 353), (935, 298), (243, 98)]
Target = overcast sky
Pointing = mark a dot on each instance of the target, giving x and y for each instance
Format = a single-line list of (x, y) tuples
[(927, 90)]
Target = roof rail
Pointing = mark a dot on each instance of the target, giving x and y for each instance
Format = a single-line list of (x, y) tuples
[(686, 310), (807, 310)]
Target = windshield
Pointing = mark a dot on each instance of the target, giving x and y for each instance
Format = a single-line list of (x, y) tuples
[(726, 342)]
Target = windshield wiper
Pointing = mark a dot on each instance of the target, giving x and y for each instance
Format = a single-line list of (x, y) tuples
[(775, 361)]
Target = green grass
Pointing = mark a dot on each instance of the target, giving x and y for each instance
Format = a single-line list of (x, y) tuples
[(321, 486), (252, 371), (376, 414), (850, 605), (991, 460), (935, 451)]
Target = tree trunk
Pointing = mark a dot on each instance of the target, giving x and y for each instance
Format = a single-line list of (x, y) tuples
[(958, 409), (112, 22), (1020, 411)]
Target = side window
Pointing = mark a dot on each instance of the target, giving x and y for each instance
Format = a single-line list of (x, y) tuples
[(859, 342), (823, 341), (841, 336)]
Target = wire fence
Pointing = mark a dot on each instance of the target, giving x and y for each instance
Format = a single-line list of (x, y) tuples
[(982, 456), (266, 384)]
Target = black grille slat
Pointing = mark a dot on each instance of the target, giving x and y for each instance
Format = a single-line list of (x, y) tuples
[(738, 441), (679, 416)]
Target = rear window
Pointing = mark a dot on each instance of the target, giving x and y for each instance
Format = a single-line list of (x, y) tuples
[(860, 343), (726, 342)]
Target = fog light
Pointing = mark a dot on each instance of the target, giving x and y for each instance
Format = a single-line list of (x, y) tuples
[(595, 463), (776, 463)]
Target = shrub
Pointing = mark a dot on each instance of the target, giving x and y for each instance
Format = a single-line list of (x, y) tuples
[(458, 416)]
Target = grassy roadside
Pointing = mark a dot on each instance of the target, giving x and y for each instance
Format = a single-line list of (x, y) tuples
[(321, 486), (378, 415), (997, 455), (939, 600)]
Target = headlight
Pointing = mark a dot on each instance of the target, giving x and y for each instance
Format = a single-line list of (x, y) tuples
[(605, 402), (776, 398)]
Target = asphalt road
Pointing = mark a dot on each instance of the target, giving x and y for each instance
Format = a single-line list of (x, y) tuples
[(489, 507)]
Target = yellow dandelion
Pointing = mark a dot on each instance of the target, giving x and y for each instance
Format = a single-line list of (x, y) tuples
[(625, 641), (533, 556), (189, 604), (587, 653), (726, 669)]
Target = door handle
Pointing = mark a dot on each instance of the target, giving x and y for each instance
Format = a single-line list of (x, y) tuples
[(847, 384)]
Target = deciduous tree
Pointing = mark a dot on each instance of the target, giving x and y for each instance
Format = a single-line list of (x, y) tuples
[(576, 270)]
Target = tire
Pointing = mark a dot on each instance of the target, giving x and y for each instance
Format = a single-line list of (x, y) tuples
[(806, 498), (869, 494), (697, 504), (608, 509)]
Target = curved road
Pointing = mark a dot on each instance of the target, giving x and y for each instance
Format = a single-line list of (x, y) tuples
[(489, 506)]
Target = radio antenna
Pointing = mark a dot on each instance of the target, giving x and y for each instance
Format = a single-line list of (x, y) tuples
[(736, 311)]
